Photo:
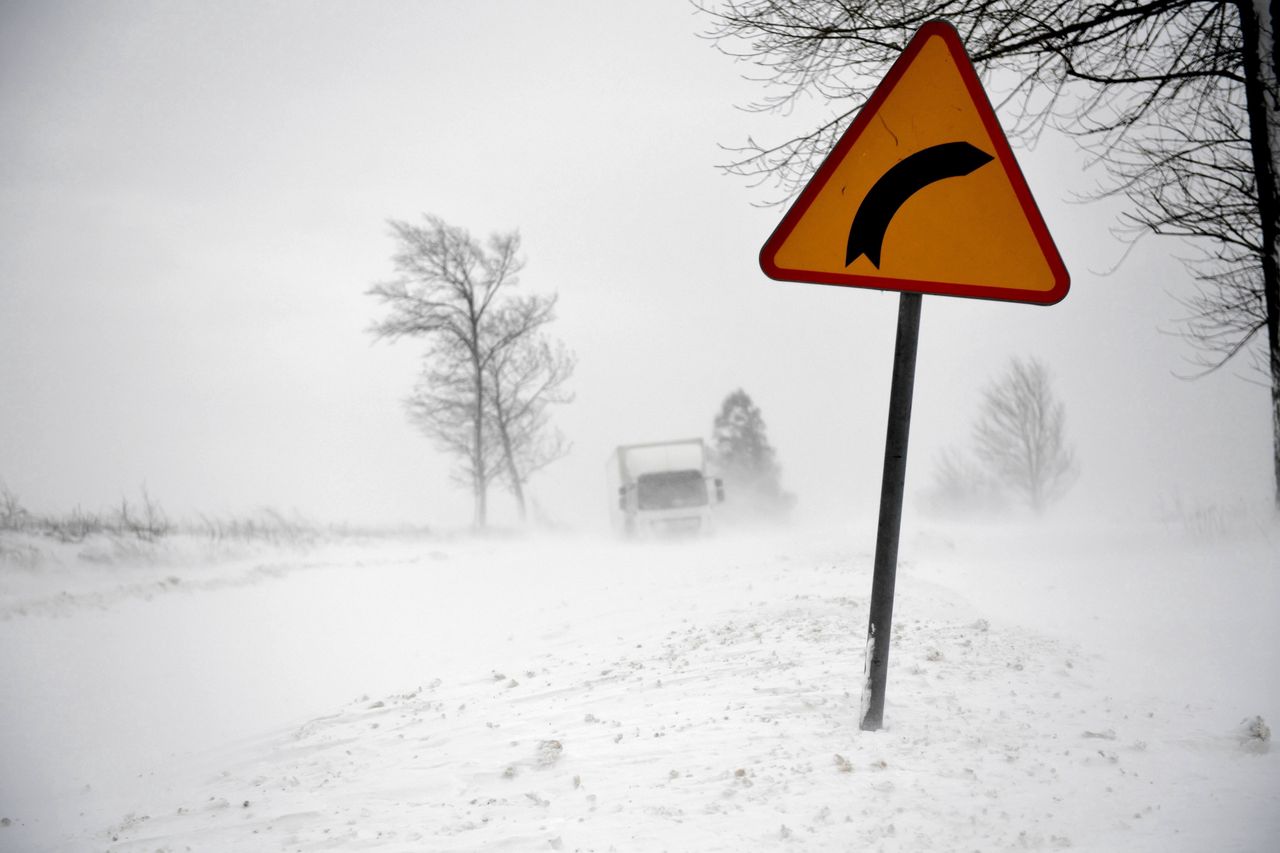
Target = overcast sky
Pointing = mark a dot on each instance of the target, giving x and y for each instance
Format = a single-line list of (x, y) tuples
[(194, 197)]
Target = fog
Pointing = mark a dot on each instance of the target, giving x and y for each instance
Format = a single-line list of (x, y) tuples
[(194, 200)]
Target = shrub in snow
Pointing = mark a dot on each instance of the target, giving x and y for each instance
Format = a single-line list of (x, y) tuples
[(1254, 735), (13, 516)]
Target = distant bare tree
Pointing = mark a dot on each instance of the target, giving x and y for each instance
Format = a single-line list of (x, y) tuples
[(1019, 435), (1178, 99), (527, 375), (445, 289)]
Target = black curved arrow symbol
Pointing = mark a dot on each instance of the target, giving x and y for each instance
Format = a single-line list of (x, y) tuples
[(905, 179)]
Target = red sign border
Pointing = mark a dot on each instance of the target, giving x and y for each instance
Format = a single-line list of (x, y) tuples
[(944, 30)]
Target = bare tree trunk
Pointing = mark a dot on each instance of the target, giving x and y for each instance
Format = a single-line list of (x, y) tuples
[(500, 421), (480, 472), (480, 480), (1257, 24), (517, 488)]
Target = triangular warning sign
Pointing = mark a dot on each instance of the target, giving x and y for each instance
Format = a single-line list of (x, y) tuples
[(921, 194)]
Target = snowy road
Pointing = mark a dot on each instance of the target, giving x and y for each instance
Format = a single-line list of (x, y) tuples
[(1047, 690)]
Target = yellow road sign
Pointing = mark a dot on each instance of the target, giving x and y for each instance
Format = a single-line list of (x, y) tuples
[(922, 194)]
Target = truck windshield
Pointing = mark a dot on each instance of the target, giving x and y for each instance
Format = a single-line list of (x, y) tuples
[(672, 490)]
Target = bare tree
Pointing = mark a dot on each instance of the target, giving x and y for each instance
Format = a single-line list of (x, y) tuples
[(526, 377), (1177, 98), (445, 288), (1019, 435)]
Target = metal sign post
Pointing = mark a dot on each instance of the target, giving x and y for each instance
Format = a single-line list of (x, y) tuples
[(880, 622)]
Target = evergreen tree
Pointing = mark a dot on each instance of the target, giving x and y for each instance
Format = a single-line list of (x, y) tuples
[(745, 459)]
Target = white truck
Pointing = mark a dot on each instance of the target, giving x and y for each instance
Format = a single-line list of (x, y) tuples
[(662, 489)]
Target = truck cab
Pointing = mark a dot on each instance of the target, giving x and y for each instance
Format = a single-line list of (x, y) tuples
[(663, 489)]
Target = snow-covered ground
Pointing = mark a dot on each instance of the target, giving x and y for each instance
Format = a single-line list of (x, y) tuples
[(1049, 687)]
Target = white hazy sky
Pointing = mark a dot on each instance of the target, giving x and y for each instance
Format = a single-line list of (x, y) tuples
[(193, 199)]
